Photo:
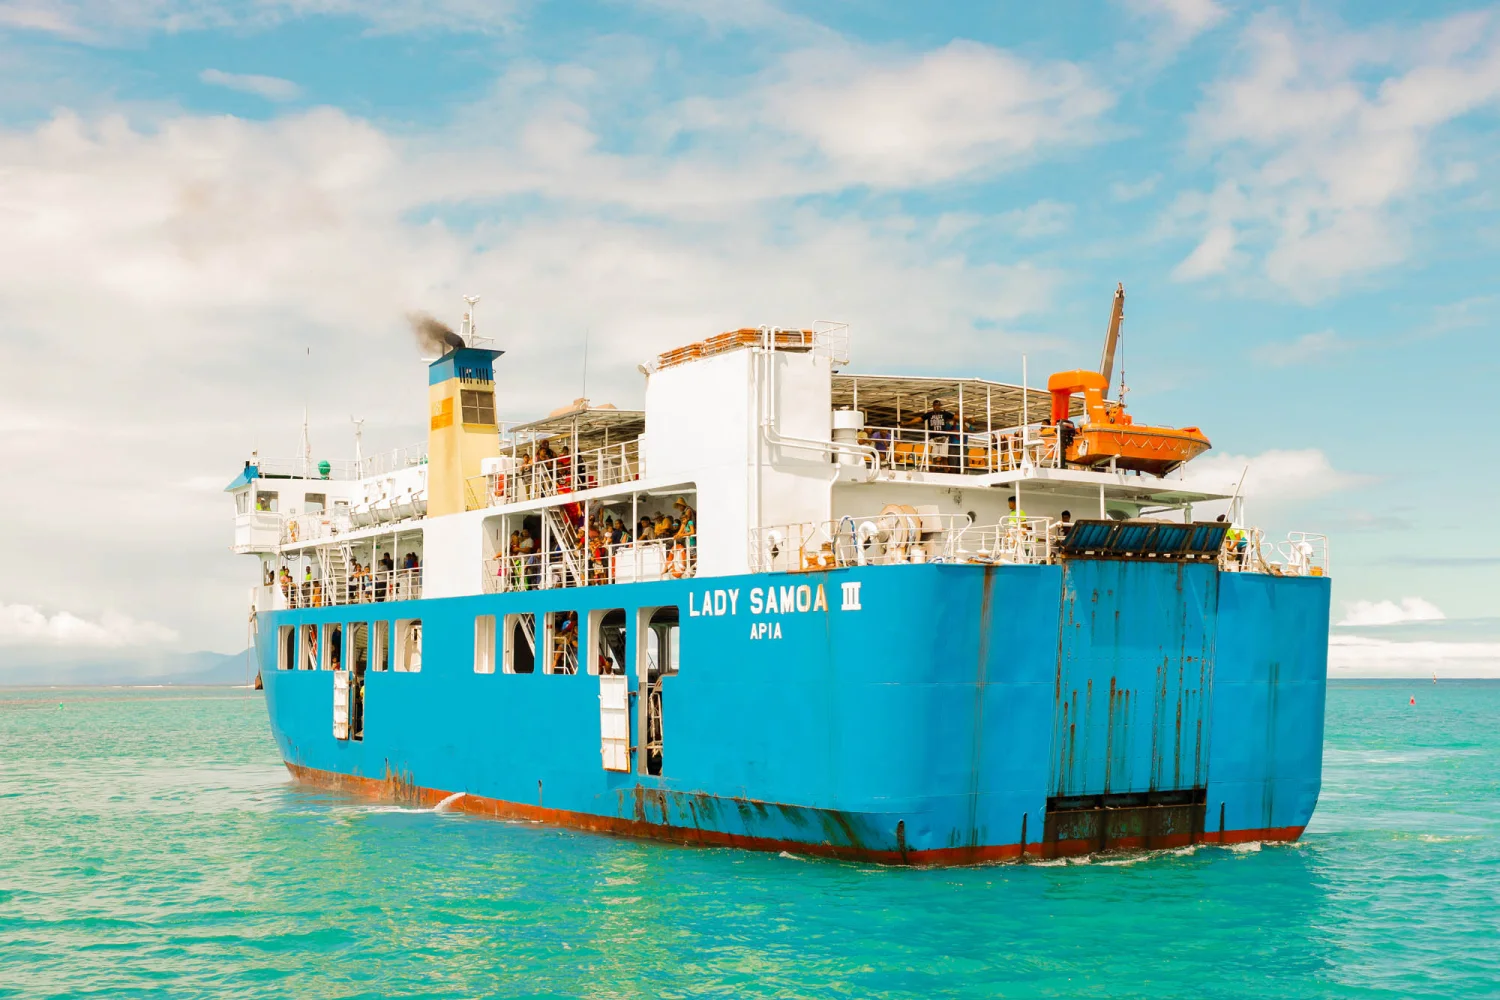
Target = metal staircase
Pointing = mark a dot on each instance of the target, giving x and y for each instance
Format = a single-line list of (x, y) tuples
[(334, 562), (562, 529)]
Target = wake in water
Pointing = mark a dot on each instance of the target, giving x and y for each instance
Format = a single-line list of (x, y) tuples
[(440, 808)]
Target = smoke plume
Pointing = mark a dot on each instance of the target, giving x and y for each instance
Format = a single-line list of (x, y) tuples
[(433, 335)]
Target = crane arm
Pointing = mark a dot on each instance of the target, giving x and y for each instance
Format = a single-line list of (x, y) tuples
[(1112, 338)]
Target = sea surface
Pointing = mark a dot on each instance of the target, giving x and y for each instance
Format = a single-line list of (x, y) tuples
[(151, 845)]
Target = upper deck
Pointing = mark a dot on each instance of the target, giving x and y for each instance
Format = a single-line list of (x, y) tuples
[(753, 452)]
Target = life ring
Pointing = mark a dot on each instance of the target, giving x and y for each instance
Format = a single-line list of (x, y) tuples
[(292, 531), (499, 486), (677, 567)]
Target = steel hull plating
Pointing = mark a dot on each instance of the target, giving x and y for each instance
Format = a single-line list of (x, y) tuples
[(944, 715)]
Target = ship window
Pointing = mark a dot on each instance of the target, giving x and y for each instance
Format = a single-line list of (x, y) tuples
[(309, 647), (380, 646), (520, 644), (409, 646), (242, 502), (286, 647), (359, 647), (484, 644), (315, 502), (266, 500), (663, 639), (607, 638), (333, 642), (562, 640), (478, 406)]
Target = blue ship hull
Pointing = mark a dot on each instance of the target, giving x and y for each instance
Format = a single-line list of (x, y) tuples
[(960, 714)]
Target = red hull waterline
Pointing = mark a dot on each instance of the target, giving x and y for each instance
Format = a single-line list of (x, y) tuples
[(395, 789)]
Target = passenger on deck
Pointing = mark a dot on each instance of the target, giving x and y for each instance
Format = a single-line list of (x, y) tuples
[(1064, 525), (286, 583), (530, 564), (1016, 517), (880, 438), (382, 583), (937, 422), (683, 510)]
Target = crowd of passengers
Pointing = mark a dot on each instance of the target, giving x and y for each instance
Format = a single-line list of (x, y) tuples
[(382, 582), (543, 472), (597, 544)]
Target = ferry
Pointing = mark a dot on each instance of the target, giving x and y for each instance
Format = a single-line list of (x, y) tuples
[(788, 607)]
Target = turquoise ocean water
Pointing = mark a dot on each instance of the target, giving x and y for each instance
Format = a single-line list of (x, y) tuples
[(151, 845)]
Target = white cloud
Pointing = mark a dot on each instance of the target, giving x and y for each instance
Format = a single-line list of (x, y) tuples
[(272, 88), (108, 22), (1045, 218), (893, 120), (1211, 256), (1324, 143), (25, 625), (1305, 349), (1408, 609), (1183, 20), (1359, 656), (1277, 476), (1126, 191)]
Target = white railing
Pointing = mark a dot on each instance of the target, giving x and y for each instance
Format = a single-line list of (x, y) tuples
[(340, 520), (960, 452), (316, 525), (381, 463), (526, 478), (1302, 553), (626, 562), (887, 538), (372, 587), (1015, 541)]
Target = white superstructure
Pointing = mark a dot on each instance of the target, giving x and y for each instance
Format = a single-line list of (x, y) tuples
[(769, 455)]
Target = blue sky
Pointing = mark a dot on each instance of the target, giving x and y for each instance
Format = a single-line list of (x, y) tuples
[(1299, 199)]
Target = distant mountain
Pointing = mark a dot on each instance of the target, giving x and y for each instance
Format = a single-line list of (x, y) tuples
[(27, 667)]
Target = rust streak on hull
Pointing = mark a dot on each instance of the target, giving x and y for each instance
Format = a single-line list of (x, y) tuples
[(398, 788)]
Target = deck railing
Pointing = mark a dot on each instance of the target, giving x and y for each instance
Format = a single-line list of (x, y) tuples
[(625, 562), (1302, 553), (894, 537), (377, 587), (905, 449), (378, 464), (524, 478)]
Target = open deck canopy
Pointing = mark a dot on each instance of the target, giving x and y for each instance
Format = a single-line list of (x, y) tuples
[(593, 425), (891, 400)]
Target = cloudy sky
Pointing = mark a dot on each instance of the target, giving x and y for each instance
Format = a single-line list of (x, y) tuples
[(213, 213)]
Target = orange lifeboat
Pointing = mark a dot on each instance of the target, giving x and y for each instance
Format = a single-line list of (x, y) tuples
[(1109, 434)]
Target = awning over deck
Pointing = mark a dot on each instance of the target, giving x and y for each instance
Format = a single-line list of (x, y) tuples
[(594, 425), (896, 400)]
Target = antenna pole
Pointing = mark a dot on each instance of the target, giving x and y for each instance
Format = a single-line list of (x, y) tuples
[(585, 393), (359, 453), (470, 328)]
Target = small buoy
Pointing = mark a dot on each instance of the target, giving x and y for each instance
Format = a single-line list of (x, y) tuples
[(1413, 699), (59, 706)]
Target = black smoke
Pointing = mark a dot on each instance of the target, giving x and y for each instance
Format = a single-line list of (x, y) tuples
[(433, 335)]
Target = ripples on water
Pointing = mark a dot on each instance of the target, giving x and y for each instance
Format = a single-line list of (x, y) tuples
[(151, 844)]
